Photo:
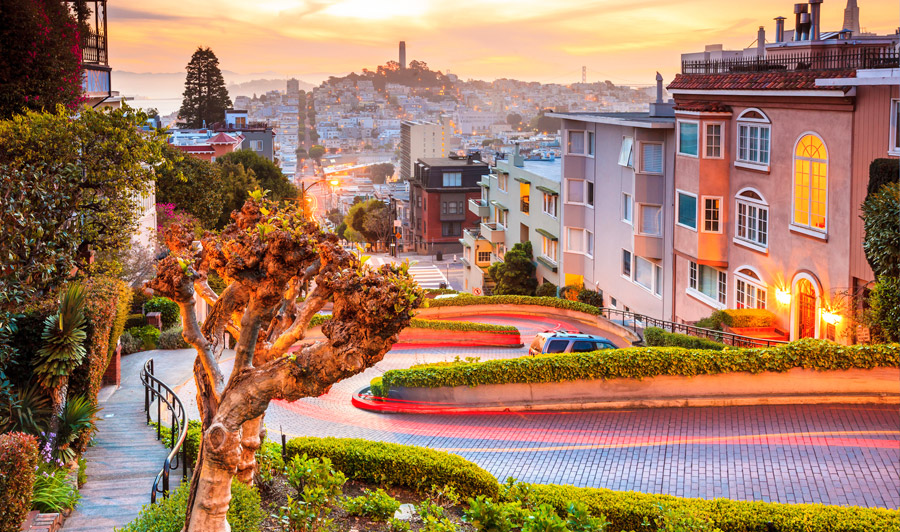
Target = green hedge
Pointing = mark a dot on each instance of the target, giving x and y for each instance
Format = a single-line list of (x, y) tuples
[(627, 510), (168, 310), (639, 362), (744, 317), (440, 325), (391, 464), (654, 336), (172, 339), (18, 461), (464, 300)]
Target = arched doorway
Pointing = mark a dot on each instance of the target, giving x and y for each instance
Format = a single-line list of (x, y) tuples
[(806, 309)]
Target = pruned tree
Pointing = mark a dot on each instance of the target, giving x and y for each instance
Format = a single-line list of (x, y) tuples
[(266, 255)]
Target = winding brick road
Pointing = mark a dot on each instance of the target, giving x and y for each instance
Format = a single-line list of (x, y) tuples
[(832, 454)]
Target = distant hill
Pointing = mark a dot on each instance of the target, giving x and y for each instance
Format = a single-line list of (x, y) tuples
[(171, 84), (261, 86)]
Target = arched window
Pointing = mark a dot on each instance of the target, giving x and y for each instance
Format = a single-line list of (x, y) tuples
[(753, 134), (752, 220), (750, 291), (811, 183)]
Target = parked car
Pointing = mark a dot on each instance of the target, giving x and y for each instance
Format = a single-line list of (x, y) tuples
[(566, 342)]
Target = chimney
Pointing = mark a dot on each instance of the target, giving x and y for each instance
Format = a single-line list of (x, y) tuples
[(805, 23), (761, 42), (659, 88), (815, 7), (779, 29), (799, 9)]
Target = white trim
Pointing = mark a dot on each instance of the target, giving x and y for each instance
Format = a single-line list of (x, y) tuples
[(703, 298), (652, 264), (678, 138), (662, 146), (583, 191), (809, 229), (759, 125), (743, 116), (752, 269), (640, 217), (584, 143), (706, 124), (631, 206), (795, 307), (893, 148), (704, 114), (750, 245), (701, 225), (678, 210), (759, 284), (755, 191), (630, 264), (590, 147), (751, 166), (802, 93)]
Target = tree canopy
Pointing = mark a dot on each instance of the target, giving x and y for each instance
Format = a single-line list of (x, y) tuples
[(515, 275), (267, 175), (195, 186), (379, 173), (371, 219), (881, 212), (70, 189), (40, 63), (205, 96), (316, 152)]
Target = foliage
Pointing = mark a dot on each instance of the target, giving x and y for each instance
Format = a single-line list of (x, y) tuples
[(440, 325), (464, 300), (642, 362), (882, 172), (440, 291), (570, 292), (546, 124), (130, 344), (546, 289), (18, 460), (172, 339), (591, 297), (167, 515), (434, 518), (40, 66), (371, 219), (884, 312), (69, 186), (489, 516), (398, 525), (237, 181), (391, 464), (514, 120), (53, 491), (123, 306), (138, 263), (316, 152), (63, 337), (318, 487), (377, 505), (266, 174), (135, 320), (654, 336), (379, 172), (78, 420), (28, 410), (192, 440), (205, 96), (168, 215), (148, 335), (82, 472), (515, 275), (882, 242), (269, 463), (739, 318), (168, 309), (194, 186)]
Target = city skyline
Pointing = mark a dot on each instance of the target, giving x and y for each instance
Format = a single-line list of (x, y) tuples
[(528, 40)]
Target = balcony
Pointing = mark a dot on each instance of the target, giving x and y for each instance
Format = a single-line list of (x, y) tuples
[(493, 232), (524, 204), (480, 208), (470, 238), (834, 59), (650, 247)]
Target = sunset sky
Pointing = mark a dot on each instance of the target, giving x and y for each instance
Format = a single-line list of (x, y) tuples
[(547, 41)]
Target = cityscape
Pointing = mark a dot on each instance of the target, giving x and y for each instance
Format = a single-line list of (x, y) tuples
[(412, 267)]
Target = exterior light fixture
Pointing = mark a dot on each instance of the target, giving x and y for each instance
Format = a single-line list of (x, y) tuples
[(831, 318), (335, 182), (783, 296)]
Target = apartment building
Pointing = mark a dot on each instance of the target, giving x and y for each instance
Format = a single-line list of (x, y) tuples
[(519, 203), (422, 140), (771, 167), (617, 212), (439, 192)]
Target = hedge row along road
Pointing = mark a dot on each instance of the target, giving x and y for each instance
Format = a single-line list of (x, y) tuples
[(831, 454)]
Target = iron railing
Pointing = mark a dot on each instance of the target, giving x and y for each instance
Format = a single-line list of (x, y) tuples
[(639, 322), (157, 391), (93, 48), (837, 59)]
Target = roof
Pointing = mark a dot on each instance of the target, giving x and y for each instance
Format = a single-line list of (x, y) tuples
[(758, 81), (643, 120), (703, 107), (195, 148), (446, 161), (223, 138)]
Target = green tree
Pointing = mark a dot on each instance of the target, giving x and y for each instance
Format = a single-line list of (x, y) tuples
[(266, 173), (545, 124), (237, 182), (515, 275), (316, 152), (69, 187), (881, 212), (195, 186), (514, 120), (380, 172), (205, 96), (367, 219), (334, 216), (40, 63)]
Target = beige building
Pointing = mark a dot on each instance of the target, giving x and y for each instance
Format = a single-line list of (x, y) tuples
[(423, 140)]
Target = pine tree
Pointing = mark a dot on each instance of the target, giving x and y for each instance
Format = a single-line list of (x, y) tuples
[(205, 95)]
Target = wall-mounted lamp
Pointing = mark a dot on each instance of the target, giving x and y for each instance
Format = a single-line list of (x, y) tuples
[(335, 182), (783, 297), (831, 318)]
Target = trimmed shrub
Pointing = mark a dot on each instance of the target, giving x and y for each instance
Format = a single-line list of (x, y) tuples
[(123, 307), (882, 172), (172, 339), (440, 291), (745, 317), (464, 300), (391, 464), (167, 309), (135, 320), (640, 362), (245, 513), (148, 336), (628, 510), (376, 387), (18, 461), (547, 289), (654, 336), (191, 441), (591, 297), (439, 325), (130, 344), (570, 292)]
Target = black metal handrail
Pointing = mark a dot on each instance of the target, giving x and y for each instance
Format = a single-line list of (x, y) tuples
[(157, 390), (838, 59), (639, 322)]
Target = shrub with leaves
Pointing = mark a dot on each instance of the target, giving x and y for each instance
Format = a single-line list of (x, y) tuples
[(172, 339), (318, 488), (77, 421), (376, 505), (167, 309), (245, 513), (18, 461), (546, 289), (148, 335), (654, 336), (130, 344)]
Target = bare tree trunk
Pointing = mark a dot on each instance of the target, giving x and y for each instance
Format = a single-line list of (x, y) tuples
[(221, 450), (251, 440)]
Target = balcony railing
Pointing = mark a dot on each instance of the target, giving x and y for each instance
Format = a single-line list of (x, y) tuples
[(93, 48), (524, 204), (835, 59), (480, 208)]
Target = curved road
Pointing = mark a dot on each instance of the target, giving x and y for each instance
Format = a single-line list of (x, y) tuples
[(832, 454)]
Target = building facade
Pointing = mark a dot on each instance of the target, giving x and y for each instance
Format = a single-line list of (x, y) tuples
[(771, 168), (422, 140), (519, 202), (439, 192)]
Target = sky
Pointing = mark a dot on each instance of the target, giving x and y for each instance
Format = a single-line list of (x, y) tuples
[(625, 41)]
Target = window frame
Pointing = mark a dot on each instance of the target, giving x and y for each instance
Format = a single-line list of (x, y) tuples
[(744, 120), (635, 276), (622, 265), (706, 144), (553, 245), (662, 160), (503, 182), (761, 205), (757, 284), (640, 217), (584, 138), (554, 200), (808, 229), (719, 221), (589, 140), (678, 125), (629, 162), (628, 208), (444, 176), (478, 256), (693, 287), (678, 209), (583, 191), (894, 135)]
